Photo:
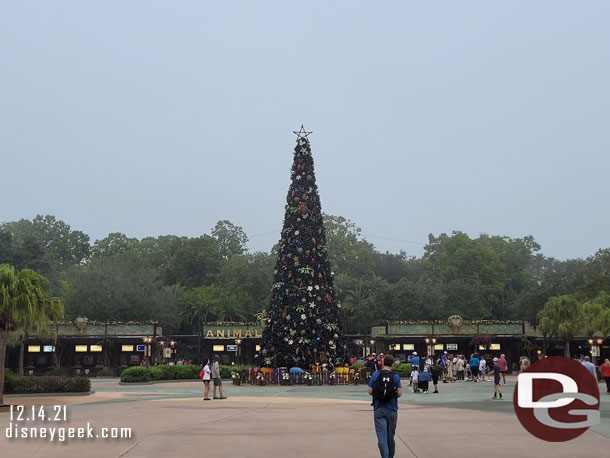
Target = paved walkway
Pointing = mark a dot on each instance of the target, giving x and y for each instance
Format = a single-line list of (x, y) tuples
[(171, 419)]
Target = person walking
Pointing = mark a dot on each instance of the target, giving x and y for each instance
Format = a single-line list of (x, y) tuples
[(414, 361), (371, 363), (459, 366), (503, 366), (589, 366), (524, 364), (207, 375), (474, 366), (450, 369), (605, 368), (415, 378), (385, 388), (435, 372), (424, 376), (482, 368), (497, 386), (216, 378), (445, 366)]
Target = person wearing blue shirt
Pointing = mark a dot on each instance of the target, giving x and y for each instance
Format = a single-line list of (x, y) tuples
[(386, 413), (474, 366), (444, 366), (414, 359)]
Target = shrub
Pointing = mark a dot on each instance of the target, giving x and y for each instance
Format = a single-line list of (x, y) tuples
[(187, 372), (136, 374), (106, 372), (46, 384), (225, 371), (57, 372), (403, 369), (165, 372)]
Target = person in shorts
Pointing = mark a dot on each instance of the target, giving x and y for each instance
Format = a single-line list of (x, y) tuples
[(216, 378), (207, 375), (474, 366), (482, 368), (503, 366), (415, 378)]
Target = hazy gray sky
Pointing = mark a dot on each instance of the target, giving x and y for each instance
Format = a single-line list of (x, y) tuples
[(150, 117)]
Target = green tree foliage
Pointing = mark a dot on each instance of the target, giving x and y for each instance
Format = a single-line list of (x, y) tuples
[(114, 244), (231, 239), (393, 267), (25, 304), (194, 261), (215, 303), (346, 251), (119, 287), (470, 274), (595, 314), (550, 277), (253, 273), (562, 316), (47, 241), (593, 275), (45, 244), (484, 277)]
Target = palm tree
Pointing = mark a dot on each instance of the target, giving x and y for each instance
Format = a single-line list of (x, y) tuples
[(24, 304), (562, 316), (593, 317)]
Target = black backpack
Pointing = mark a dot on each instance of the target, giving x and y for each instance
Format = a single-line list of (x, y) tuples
[(383, 388)]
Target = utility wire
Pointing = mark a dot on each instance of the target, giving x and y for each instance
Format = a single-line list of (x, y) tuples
[(364, 235), (264, 233), (395, 240)]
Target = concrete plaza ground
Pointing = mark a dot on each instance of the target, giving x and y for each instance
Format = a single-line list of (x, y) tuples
[(171, 419)]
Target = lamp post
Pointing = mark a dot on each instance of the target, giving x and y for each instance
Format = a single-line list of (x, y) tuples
[(594, 344), (147, 354), (238, 343), (199, 359), (162, 343), (172, 344), (430, 343)]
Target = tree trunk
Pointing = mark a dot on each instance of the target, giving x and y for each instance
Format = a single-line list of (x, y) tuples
[(566, 349), (22, 353), (3, 343)]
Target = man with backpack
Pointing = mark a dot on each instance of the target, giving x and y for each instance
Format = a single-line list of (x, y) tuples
[(385, 388)]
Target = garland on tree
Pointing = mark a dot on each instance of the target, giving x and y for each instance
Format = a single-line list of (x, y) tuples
[(304, 324)]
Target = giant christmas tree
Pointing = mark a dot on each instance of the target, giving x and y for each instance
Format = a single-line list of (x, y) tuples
[(304, 323)]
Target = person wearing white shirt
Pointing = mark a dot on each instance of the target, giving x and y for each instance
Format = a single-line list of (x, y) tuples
[(482, 366)]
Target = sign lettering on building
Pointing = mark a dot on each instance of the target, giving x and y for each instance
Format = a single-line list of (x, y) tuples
[(232, 333)]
